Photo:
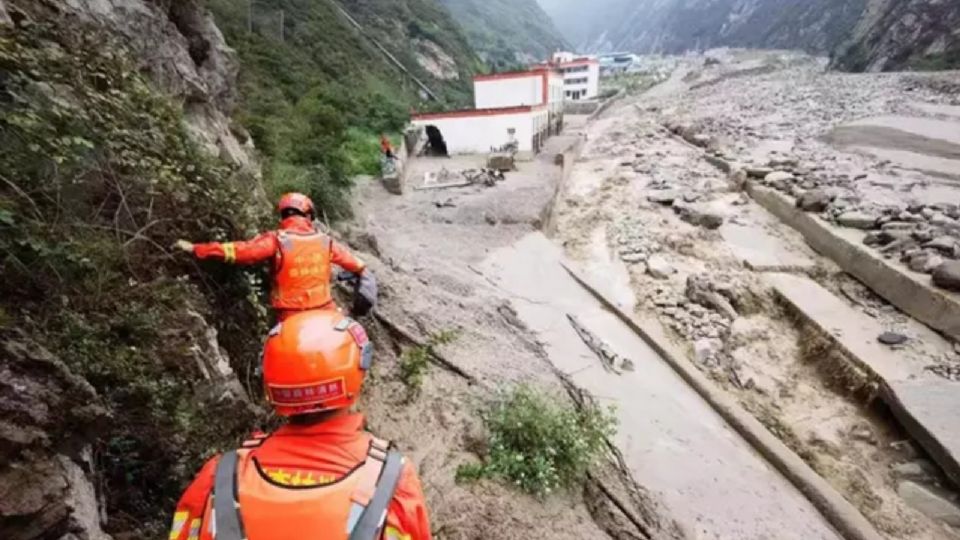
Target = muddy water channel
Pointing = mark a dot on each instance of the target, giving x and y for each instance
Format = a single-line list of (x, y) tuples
[(676, 446)]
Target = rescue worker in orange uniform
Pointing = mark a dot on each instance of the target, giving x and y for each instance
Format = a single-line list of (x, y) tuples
[(319, 475), (302, 257)]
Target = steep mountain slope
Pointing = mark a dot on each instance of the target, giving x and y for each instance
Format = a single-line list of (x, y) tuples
[(875, 34), (114, 124), (507, 32), (673, 26), (315, 92), (892, 34)]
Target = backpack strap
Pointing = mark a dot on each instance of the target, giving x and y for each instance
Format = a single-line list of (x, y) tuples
[(366, 520), (227, 524)]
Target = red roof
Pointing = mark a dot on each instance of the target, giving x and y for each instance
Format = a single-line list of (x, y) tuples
[(467, 113)]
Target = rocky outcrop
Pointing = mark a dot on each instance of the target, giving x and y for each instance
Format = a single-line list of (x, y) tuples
[(49, 420), (178, 46), (897, 34)]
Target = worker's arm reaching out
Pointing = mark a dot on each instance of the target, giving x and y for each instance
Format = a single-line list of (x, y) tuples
[(261, 248)]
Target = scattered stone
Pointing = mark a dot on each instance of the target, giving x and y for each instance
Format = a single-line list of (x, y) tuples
[(897, 226), (892, 338), (704, 349), (947, 276), (782, 162), (699, 215), (857, 220), (933, 262), (942, 243), (659, 268), (664, 196), (777, 177), (917, 262), (758, 172), (927, 213), (919, 469), (874, 238), (633, 258), (940, 220), (930, 502), (815, 200), (863, 433), (700, 139)]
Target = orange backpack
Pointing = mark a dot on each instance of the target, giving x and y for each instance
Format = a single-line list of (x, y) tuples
[(247, 504), (301, 277)]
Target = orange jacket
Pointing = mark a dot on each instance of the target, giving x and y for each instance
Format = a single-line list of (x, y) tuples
[(308, 455), (289, 293)]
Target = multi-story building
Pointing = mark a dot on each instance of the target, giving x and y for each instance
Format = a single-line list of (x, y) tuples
[(581, 75)]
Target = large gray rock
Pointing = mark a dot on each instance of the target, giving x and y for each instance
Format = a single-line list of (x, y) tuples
[(664, 196), (50, 418), (947, 276), (778, 176), (857, 220), (942, 243), (930, 502), (815, 200), (701, 215), (659, 268)]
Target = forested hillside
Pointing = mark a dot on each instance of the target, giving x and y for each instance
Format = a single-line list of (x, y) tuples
[(507, 32), (315, 93)]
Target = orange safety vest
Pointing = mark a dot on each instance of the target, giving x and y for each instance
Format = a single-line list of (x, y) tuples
[(301, 278), (247, 504)]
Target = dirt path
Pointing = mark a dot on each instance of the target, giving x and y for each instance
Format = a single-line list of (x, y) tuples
[(645, 197)]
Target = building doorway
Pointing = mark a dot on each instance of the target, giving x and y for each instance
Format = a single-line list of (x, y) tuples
[(436, 146)]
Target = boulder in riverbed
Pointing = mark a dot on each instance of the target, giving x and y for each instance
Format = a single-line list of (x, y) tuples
[(815, 200), (947, 276), (856, 219)]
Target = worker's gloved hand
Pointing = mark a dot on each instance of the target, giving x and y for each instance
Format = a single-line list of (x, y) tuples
[(184, 245), (364, 294)]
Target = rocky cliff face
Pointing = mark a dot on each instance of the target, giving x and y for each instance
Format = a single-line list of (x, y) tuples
[(111, 370), (896, 34), (874, 35), (181, 50)]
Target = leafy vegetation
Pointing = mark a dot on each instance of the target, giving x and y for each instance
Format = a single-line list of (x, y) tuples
[(316, 95), (507, 33), (415, 361), (540, 443), (97, 177)]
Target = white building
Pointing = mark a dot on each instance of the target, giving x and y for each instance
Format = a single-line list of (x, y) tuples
[(478, 131), (581, 75), (540, 86)]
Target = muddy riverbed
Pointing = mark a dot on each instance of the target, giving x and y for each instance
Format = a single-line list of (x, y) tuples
[(697, 250)]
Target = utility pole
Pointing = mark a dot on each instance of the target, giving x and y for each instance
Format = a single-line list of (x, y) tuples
[(281, 26)]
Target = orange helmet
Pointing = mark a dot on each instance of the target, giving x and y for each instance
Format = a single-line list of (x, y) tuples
[(296, 201), (315, 361)]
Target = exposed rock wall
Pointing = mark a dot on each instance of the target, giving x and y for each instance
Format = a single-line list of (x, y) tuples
[(896, 34), (180, 49), (50, 418)]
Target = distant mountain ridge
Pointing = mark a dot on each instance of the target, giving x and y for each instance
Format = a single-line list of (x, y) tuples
[(861, 34)]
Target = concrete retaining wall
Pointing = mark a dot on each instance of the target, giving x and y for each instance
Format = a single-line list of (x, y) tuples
[(913, 294), (567, 160)]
